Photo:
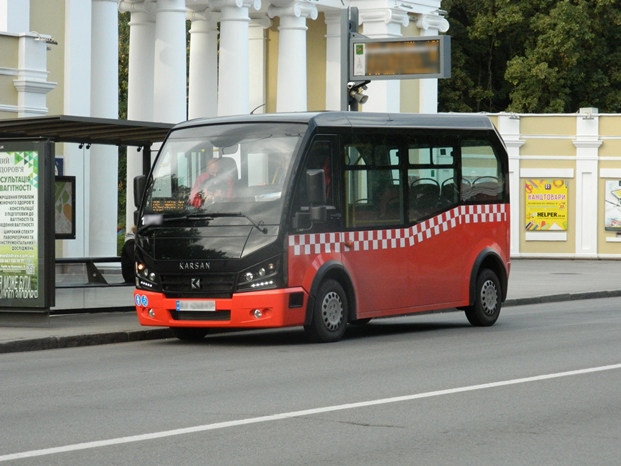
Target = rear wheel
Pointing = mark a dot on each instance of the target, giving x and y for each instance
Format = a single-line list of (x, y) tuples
[(487, 300), (189, 333), (329, 314)]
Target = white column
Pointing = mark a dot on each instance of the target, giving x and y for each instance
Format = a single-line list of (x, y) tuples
[(103, 185), (587, 145), (233, 78), (169, 83), (384, 95), (203, 72), (77, 70), (258, 63), (141, 59), (509, 129), (77, 89), (31, 83), (430, 25), (15, 16), (291, 82), (104, 59), (139, 86), (333, 59)]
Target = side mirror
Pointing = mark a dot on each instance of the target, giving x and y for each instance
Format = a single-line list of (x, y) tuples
[(316, 193), (140, 183), (316, 187)]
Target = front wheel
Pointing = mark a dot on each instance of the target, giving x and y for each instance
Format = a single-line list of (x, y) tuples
[(329, 313), (487, 300), (189, 333)]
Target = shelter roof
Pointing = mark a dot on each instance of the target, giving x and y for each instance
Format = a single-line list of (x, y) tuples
[(86, 130)]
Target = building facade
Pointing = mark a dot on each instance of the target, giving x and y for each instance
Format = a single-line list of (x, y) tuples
[(565, 184)]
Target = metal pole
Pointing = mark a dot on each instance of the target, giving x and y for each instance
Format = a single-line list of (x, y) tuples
[(344, 59), (146, 159)]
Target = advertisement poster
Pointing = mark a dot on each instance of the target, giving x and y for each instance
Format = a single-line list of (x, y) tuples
[(612, 211), (22, 283), (546, 205), (64, 207)]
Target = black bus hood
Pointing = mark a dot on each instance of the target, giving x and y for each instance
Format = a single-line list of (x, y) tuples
[(208, 242)]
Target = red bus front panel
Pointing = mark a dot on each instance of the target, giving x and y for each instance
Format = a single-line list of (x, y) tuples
[(274, 306)]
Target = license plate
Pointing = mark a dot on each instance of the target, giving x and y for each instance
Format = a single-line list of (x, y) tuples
[(202, 305)]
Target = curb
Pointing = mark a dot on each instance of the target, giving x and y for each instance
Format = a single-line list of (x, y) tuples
[(75, 341), (558, 298), (94, 339)]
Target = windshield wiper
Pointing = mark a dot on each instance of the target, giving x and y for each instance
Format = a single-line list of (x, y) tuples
[(192, 216), (258, 225), (205, 216)]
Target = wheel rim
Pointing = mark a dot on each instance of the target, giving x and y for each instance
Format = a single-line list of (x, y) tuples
[(332, 311), (489, 297)]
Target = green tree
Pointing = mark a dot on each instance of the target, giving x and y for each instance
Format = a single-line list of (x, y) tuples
[(123, 63), (485, 35), (571, 59), (123, 71), (533, 55)]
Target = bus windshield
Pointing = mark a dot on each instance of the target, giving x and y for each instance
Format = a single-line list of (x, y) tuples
[(226, 169)]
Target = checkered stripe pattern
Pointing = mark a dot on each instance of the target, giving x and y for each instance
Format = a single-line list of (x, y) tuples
[(368, 240), (315, 244)]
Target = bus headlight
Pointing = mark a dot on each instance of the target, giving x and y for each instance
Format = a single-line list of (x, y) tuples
[(146, 279), (263, 276)]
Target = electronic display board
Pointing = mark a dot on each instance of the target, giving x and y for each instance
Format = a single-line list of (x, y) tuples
[(404, 58)]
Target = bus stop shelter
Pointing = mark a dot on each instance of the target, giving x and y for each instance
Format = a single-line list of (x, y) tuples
[(88, 130), (27, 230)]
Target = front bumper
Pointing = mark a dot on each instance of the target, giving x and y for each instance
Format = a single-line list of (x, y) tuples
[(277, 308)]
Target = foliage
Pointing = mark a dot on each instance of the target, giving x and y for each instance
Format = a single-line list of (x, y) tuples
[(123, 73), (533, 55), (123, 63)]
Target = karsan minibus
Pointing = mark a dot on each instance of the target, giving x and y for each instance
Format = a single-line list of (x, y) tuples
[(322, 220)]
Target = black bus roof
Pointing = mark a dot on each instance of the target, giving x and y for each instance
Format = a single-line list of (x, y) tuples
[(462, 121)]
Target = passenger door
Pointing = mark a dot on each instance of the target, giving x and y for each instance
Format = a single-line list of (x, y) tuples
[(374, 214), (436, 247)]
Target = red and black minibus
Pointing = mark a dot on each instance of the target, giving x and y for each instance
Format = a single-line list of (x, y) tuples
[(322, 220)]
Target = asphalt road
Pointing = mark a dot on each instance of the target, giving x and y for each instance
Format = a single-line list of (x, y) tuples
[(540, 387)]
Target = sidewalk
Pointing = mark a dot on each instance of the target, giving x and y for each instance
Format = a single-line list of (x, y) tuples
[(532, 281)]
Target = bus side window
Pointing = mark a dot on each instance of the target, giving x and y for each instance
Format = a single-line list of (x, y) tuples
[(431, 177), (481, 172), (373, 183)]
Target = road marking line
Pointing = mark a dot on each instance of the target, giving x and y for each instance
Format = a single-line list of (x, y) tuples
[(293, 414)]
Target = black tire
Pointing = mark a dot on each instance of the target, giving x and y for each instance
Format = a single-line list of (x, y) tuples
[(487, 300), (128, 261), (329, 313), (189, 333)]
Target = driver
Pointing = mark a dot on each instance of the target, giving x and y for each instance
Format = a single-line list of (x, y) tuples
[(215, 184)]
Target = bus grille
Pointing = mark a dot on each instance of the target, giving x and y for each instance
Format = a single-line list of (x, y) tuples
[(199, 286)]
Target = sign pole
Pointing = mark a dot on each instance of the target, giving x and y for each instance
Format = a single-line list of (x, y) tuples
[(345, 30)]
